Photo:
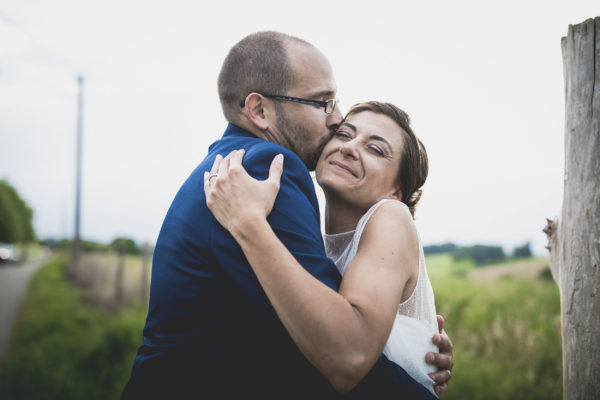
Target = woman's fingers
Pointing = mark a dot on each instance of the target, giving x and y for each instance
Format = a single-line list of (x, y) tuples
[(212, 174), (221, 168), (215, 167), (276, 170), (235, 169), (233, 196), (236, 158), (224, 165)]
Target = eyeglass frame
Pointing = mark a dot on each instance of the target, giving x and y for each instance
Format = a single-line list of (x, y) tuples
[(310, 102)]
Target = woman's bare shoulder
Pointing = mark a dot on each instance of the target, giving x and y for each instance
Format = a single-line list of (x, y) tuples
[(391, 224)]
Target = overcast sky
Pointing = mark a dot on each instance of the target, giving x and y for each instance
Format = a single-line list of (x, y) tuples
[(482, 82)]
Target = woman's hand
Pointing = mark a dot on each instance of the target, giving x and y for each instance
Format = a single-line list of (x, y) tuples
[(234, 197)]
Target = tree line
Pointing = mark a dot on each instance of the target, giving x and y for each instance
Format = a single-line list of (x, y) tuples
[(480, 254), (16, 226), (119, 244)]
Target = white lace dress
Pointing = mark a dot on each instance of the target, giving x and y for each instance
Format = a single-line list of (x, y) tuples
[(415, 321)]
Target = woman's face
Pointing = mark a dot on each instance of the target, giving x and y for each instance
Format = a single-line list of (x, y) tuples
[(360, 163)]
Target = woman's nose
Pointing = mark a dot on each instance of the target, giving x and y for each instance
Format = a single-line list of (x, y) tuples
[(349, 148)]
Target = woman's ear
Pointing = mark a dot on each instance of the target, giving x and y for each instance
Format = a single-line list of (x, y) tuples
[(254, 108), (396, 194)]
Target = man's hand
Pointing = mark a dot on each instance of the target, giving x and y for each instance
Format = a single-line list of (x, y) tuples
[(443, 360)]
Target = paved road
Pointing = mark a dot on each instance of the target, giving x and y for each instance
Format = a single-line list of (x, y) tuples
[(13, 286)]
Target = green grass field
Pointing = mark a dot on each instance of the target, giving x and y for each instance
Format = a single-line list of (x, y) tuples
[(505, 331), (505, 328)]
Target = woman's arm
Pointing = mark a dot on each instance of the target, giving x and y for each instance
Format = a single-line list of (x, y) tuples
[(341, 334)]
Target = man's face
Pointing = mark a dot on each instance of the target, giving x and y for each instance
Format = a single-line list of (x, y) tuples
[(306, 128)]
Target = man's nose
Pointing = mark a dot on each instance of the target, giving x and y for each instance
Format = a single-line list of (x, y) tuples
[(335, 118)]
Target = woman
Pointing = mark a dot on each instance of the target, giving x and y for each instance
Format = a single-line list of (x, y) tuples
[(371, 172)]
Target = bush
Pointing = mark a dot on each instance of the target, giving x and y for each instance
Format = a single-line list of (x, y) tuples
[(125, 245), (480, 254)]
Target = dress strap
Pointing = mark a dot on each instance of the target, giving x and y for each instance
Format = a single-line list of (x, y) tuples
[(365, 218)]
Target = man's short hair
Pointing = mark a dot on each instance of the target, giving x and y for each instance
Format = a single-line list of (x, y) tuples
[(257, 63)]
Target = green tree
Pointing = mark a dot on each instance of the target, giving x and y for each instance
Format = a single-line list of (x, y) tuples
[(8, 216), (523, 251), (15, 216), (125, 245)]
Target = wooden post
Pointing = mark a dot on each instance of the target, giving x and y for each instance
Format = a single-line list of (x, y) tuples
[(119, 292), (145, 272), (574, 239)]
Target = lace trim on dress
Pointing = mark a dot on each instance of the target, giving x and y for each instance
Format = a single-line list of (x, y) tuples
[(336, 243)]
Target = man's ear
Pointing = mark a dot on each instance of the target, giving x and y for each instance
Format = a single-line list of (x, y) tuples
[(256, 110)]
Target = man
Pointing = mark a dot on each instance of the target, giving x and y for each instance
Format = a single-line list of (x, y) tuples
[(211, 331)]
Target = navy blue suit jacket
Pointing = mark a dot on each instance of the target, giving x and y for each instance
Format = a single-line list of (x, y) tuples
[(211, 331)]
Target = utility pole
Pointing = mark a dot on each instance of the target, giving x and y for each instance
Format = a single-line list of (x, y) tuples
[(79, 146)]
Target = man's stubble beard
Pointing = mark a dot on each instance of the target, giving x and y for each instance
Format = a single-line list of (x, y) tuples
[(298, 139)]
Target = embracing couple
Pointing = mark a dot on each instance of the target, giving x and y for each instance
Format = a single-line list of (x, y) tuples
[(248, 299)]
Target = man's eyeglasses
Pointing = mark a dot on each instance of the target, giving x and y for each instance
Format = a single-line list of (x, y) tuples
[(328, 105)]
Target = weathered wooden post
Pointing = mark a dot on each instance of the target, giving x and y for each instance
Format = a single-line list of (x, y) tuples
[(574, 239), (145, 273), (119, 290)]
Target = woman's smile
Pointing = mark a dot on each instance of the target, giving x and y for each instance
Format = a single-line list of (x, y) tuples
[(344, 167)]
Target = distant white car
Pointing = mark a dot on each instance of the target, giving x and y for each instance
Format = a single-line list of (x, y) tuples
[(7, 252)]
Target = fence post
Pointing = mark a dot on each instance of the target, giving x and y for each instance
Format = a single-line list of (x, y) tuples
[(119, 273), (574, 239), (145, 272)]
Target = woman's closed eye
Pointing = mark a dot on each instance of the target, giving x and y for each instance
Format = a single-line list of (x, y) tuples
[(376, 149), (343, 135)]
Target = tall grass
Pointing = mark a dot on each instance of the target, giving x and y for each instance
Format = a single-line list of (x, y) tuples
[(63, 349), (506, 336)]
